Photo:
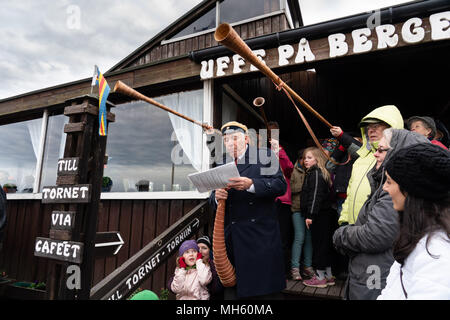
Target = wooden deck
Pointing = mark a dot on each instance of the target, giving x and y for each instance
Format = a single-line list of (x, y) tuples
[(296, 290)]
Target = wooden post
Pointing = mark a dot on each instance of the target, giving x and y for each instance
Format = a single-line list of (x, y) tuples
[(77, 190)]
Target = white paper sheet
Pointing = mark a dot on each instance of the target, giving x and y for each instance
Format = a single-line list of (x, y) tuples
[(215, 178)]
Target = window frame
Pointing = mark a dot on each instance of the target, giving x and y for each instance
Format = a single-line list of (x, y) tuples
[(263, 16), (208, 102)]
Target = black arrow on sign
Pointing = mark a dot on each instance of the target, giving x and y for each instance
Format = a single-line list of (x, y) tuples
[(108, 243)]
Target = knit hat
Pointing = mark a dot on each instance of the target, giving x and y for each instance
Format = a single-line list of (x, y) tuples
[(329, 144), (422, 170), (427, 120), (205, 240), (145, 295), (186, 245)]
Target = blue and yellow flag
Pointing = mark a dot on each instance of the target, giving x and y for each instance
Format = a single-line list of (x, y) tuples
[(103, 92)]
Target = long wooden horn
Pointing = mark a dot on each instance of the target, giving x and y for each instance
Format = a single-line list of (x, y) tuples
[(227, 36), (259, 104), (224, 268), (126, 90)]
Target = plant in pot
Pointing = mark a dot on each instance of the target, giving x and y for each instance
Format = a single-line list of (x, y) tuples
[(10, 188), (106, 184)]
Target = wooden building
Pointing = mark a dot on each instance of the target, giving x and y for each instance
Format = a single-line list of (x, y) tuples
[(344, 68)]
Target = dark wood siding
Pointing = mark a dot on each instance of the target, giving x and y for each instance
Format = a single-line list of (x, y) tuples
[(345, 91), (248, 30), (138, 221)]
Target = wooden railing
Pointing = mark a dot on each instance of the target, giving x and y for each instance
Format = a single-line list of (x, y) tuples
[(122, 282)]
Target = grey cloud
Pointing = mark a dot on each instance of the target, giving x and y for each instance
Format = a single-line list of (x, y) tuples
[(38, 49)]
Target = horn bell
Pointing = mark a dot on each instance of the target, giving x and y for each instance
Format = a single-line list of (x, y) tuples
[(259, 101)]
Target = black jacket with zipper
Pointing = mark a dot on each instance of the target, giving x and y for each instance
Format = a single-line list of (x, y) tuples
[(315, 197)]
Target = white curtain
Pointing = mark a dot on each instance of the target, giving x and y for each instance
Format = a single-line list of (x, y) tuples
[(34, 129), (189, 135), (26, 179), (62, 142)]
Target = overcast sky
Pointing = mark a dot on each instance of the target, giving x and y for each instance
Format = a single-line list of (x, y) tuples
[(46, 43)]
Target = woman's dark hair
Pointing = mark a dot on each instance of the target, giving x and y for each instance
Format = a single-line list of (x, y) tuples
[(300, 153), (419, 218)]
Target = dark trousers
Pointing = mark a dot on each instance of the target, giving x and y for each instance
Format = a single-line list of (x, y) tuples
[(284, 215), (322, 228)]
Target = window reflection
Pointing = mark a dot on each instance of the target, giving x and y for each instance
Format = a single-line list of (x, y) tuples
[(141, 141), (316, 11), (54, 148), (238, 10), (18, 157), (205, 22)]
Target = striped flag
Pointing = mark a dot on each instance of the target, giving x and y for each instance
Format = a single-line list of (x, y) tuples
[(103, 92)]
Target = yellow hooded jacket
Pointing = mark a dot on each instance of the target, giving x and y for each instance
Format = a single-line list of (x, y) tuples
[(358, 189)]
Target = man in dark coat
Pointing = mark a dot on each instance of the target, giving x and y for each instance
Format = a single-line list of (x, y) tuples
[(252, 234)]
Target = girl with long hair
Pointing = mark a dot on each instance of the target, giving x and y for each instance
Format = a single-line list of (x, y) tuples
[(320, 218)]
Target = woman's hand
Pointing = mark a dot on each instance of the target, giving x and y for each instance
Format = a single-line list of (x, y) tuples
[(308, 222), (336, 131), (181, 263), (275, 146)]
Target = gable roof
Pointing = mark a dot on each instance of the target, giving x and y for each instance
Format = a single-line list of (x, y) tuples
[(196, 12)]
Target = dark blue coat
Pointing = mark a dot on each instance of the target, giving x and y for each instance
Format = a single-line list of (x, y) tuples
[(252, 233)]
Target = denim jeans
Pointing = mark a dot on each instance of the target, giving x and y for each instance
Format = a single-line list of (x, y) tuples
[(302, 240), (339, 202)]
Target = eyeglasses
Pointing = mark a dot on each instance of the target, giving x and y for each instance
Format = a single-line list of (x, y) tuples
[(374, 126), (381, 150)]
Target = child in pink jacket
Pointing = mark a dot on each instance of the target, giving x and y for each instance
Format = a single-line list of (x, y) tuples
[(192, 273)]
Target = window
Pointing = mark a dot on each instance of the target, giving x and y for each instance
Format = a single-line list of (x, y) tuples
[(54, 149), (230, 11), (20, 149), (206, 22), (229, 109), (315, 11), (238, 10), (151, 150)]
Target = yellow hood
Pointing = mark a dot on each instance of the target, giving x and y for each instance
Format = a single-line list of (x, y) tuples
[(389, 114)]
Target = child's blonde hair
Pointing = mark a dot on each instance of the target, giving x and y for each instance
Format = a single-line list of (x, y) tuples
[(321, 162)]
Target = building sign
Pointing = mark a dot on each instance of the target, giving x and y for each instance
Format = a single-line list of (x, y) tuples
[(413, 31), (68, 166), (63, 220), (67, 194), (60, 250)]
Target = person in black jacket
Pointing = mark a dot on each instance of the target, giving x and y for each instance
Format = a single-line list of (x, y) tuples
[(320, 218), (345, 154)]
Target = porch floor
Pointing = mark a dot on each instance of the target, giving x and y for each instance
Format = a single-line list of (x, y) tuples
[(297, 290)]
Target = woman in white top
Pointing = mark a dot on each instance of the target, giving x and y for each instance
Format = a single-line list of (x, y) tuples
[(418, 180)]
